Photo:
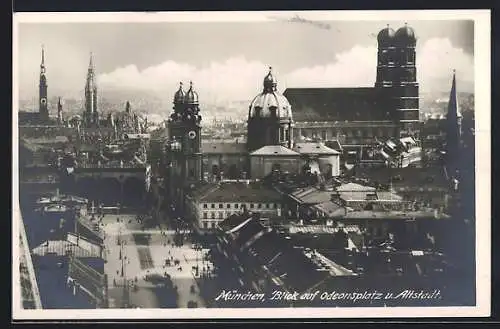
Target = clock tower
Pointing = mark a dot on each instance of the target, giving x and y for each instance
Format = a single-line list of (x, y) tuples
[(184, 155), (42, 104)]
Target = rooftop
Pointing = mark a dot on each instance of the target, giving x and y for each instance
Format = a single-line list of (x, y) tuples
[(413, 178), (233, 221), (236, 192), (314, 148), (276, 150), (285, 264), (223, 148), (332, 104)]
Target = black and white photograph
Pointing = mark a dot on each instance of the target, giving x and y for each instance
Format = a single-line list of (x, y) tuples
[(251, 164)]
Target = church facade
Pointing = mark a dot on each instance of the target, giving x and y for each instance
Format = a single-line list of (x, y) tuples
[(355, 117)]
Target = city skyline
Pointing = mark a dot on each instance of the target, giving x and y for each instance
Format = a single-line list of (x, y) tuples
[(128, 56)]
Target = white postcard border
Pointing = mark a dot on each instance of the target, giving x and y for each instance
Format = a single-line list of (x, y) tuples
[(482, 60)]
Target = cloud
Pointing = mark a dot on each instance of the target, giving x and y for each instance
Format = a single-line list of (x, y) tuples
[(240, 79), (436, 59)]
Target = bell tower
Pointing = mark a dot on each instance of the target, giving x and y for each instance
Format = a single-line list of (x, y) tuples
[(183, 149), (406, 85), (386, 58), (42, 103)]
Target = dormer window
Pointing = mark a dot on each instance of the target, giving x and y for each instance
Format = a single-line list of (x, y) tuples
[(258, 111), (272, 110)]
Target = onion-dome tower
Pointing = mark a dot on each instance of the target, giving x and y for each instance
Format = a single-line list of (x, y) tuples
[(386, 58), (269, 117), (179, 98), (185, 136), (407, 88)]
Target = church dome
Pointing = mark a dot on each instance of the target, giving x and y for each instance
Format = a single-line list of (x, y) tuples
[(191, 97), (406, 35), (386, 36), (270, 102), (270, 81), (179, 95)]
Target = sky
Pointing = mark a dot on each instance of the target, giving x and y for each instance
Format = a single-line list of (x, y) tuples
[(227, 60)]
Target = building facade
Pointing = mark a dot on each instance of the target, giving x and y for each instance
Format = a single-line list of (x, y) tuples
[(211, 204), (357, 116)]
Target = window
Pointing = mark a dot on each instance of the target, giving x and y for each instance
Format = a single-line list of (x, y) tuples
[(213, 215), (221, 206), (251, 205), (205, 225), (275, 206), (221, 215), (205, 206), (205, 215), (268, 205), (259, 205), (235, 206), (228, 206), (213, 225), (212, 206)]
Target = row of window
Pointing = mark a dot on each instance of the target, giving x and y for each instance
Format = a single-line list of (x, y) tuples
[(214, 215), (217, 214), (368, 132), (241, 206), (207, 225)]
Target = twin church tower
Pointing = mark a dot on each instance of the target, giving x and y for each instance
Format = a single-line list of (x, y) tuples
[(397, 74), (90, 114)]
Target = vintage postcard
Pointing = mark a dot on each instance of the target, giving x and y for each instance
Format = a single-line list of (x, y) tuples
[(251, 165)]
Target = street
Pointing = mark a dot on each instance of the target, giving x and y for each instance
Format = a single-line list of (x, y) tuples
[(146, 254)]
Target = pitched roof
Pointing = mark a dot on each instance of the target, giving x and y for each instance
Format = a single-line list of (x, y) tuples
[(414, 178), (337, 104), (276, 150), (355, 187), (331, 208), (233, 221), (311, 195), (314, 148), (223, 148), (236, 192), (334, 144)]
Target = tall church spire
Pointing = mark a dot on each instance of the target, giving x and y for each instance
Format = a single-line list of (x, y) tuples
[(453, 124), (91, 62), (42, 90), (42, 64), (91, 114), (59, 111)]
